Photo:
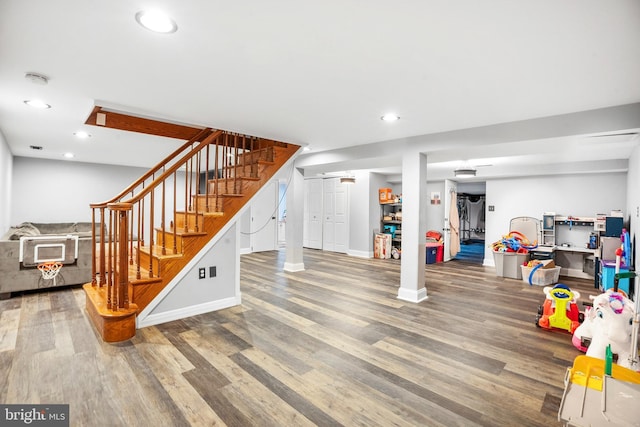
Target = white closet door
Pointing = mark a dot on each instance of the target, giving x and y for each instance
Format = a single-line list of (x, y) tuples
[(328, 218), (340, 217), (335, 221), (312, 230)]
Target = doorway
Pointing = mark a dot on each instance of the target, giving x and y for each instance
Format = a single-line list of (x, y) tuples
[(471, 211)]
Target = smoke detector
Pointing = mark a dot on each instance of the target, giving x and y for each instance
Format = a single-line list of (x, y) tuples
[(36, 78)]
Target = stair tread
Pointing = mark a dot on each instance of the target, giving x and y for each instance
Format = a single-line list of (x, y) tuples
[(157, 252), (182, 232), (213, 196), (222, 180)]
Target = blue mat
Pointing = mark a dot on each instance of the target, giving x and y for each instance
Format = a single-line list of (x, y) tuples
[(471, 252)]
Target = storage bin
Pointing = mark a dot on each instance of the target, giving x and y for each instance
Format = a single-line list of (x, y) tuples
[(384, 195), (432, 253), (508, 264), (440, 254), (542, 276)]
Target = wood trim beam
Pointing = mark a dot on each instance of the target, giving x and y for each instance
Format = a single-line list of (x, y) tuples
[(110, 119)]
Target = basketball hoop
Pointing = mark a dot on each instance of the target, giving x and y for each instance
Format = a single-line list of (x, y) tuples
[(50, 270)]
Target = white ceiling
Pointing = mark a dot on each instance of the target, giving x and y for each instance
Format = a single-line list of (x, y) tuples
[(323, 73)]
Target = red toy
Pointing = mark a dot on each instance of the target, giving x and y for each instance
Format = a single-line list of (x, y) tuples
[(560, 309)]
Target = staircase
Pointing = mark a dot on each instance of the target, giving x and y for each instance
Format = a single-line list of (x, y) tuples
[(146, 235)]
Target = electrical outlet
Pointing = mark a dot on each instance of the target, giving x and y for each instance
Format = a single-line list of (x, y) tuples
[(492, 208), (212, 272), (202, 273)]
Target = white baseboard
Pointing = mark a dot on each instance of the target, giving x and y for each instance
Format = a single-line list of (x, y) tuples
[(360, 254), (411, 295), (181, 313), (293, 267), (489, 262)]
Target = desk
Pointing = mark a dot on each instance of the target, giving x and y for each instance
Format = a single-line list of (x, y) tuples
[(571, 259)]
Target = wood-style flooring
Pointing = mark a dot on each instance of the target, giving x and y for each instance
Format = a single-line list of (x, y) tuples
[(328, 346)]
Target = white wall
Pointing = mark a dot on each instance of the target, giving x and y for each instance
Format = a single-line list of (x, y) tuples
[(633, 202), (577, 195), (61, 191), (6, 173), (192, 295), (435, 212), (361, 214)]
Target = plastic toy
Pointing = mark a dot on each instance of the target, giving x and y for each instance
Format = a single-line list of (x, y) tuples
[(514, 242), (610, 322), (583, 333), (560, 309)]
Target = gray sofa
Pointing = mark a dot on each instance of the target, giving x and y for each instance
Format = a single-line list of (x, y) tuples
[(18, 276)]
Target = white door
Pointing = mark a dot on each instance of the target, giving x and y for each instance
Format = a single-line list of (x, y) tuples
[(340, 217), (449, 188), (335, 228), (263, 219), (328, 217), (312, 230)]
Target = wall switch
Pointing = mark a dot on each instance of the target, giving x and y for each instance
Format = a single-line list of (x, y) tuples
[(202, 273), (212, 272), (492, 208)]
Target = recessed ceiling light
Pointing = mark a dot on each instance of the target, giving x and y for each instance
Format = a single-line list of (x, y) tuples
[(306, 148), (82, 134), (68, 155), (390, 117), (156, 21), (37, 103)]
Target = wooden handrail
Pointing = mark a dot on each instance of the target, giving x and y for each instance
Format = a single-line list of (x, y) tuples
[(155, 169), (177, 165)]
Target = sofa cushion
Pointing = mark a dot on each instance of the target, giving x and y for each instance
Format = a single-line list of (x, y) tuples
[(24, 229), (56, 227)]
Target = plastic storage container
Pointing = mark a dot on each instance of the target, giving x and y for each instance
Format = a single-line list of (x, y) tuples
[(542, 276), (432, 252), (508, 264)]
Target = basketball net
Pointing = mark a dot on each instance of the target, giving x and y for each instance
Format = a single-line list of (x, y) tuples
[(50, 270)]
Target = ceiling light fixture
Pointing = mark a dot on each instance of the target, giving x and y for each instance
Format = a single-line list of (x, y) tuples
[(156, 21), (68, 155), (390, 117), (466, 172), (347, 180), (37, 103), (82, 134), (37, 78)]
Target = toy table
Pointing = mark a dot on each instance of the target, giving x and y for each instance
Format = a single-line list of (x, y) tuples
[(593, 399)]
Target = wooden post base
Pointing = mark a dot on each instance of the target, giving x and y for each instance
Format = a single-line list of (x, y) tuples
[(113, 326)]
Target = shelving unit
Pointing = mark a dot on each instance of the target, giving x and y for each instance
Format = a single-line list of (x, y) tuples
[(548, 229), (391, 222)]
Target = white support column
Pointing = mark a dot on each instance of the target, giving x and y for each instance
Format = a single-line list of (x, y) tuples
[(414, 227), (294, 226)]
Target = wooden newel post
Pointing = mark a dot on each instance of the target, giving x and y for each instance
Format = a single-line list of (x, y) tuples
[(121, 258)]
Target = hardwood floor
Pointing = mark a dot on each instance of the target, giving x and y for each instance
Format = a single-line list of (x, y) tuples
[(331, 345)]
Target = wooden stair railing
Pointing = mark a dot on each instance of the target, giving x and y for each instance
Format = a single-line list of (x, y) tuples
[(146, 234)]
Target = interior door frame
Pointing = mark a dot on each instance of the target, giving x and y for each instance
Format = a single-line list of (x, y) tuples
[(449, 187)]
